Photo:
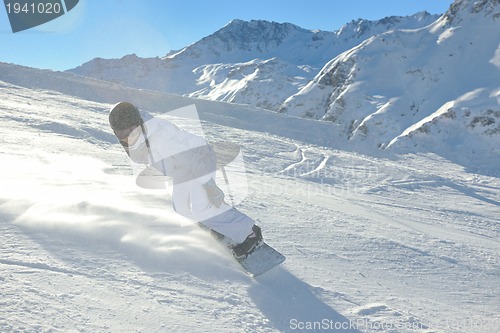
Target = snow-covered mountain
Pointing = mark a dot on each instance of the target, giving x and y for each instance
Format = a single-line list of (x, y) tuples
[(438, 85), (395, 240), (418, 82), (258, 62)]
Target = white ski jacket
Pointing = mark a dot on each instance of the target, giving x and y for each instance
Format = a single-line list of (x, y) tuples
[(174, 152), (191, 162)]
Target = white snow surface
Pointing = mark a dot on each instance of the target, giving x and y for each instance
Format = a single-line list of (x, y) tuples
[(379, 242)]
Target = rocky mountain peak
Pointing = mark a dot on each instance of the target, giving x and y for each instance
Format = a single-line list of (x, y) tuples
[(462, 10)]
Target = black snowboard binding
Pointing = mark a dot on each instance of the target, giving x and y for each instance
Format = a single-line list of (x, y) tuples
[(251, 243)]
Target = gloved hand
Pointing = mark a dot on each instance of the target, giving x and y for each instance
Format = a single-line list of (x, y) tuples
[(215, 194)]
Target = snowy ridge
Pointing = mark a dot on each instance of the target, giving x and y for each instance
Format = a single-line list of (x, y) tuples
[(397, 86), (259, 63), (371, 241)]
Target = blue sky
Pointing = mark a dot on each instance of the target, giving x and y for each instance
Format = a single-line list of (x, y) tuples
[(150, 28)]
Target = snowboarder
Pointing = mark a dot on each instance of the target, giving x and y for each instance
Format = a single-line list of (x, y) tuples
[(191, 162)]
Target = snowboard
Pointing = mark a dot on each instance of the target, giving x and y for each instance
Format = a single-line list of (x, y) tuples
[(261, 260)]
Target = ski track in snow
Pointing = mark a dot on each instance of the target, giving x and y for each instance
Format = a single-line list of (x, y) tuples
[(409, 242)]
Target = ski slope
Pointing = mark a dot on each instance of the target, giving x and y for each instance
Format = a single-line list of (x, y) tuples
[(374, 243)]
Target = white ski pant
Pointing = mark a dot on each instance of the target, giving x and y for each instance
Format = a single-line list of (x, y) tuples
[(190, 200)]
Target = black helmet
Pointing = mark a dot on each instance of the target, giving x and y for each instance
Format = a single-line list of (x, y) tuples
[(124, 115)]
